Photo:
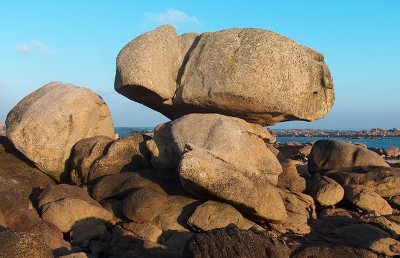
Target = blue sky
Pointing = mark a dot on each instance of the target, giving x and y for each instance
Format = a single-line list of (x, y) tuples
[(78, 41)]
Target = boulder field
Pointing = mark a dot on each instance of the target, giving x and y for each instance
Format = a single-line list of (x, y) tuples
[(210, 183)]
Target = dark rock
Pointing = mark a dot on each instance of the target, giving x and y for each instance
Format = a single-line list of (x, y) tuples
[(234, 242)]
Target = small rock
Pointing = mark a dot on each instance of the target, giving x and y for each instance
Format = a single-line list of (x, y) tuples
[(326, 191), (301, 212), (145, 231), (121, 184), (69, 213), (290, 179), (212, 214), (144, 204)]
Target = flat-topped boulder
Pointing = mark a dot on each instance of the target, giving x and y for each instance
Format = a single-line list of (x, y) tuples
[(48, 122), (254, 74)]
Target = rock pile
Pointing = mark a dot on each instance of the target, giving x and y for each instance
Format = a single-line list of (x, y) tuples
[(207, 184)]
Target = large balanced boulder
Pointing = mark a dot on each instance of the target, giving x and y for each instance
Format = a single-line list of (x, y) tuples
[(253, 74), (232, 139), (48, 122), (331, 154)]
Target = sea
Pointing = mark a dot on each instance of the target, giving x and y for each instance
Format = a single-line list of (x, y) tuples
[(381, 143)]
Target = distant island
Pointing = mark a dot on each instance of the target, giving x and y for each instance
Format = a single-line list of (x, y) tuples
[(353, 134)]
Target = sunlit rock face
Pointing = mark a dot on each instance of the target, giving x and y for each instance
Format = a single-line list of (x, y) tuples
[(254, 74), (48, 122)]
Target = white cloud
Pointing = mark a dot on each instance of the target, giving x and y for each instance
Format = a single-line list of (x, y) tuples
[(23, 48), (42, 47), (35, 45), (171, 16), (2, 83)]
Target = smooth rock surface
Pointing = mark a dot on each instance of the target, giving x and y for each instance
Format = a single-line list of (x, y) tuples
[(234, 140), (331, 154), (253, 74), (47, 123)]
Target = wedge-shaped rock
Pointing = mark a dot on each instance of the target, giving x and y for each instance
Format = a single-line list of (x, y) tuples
[(207, 176), (48, 122), (253, 74), (366, 199)]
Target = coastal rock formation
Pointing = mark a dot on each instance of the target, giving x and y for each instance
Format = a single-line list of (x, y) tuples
[(257, 75), (63, 110), (331, 154), (233, 140)]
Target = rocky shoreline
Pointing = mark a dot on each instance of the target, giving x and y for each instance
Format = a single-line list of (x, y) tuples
[(351, 134), (212, 182)]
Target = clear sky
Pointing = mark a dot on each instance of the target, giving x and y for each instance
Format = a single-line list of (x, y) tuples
[(78, 41)]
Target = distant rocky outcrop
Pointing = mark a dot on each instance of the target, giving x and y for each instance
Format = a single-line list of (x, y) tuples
[(48, 122), (257, 75)]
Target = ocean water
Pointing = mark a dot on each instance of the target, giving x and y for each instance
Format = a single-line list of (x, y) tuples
[(372, 143)]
